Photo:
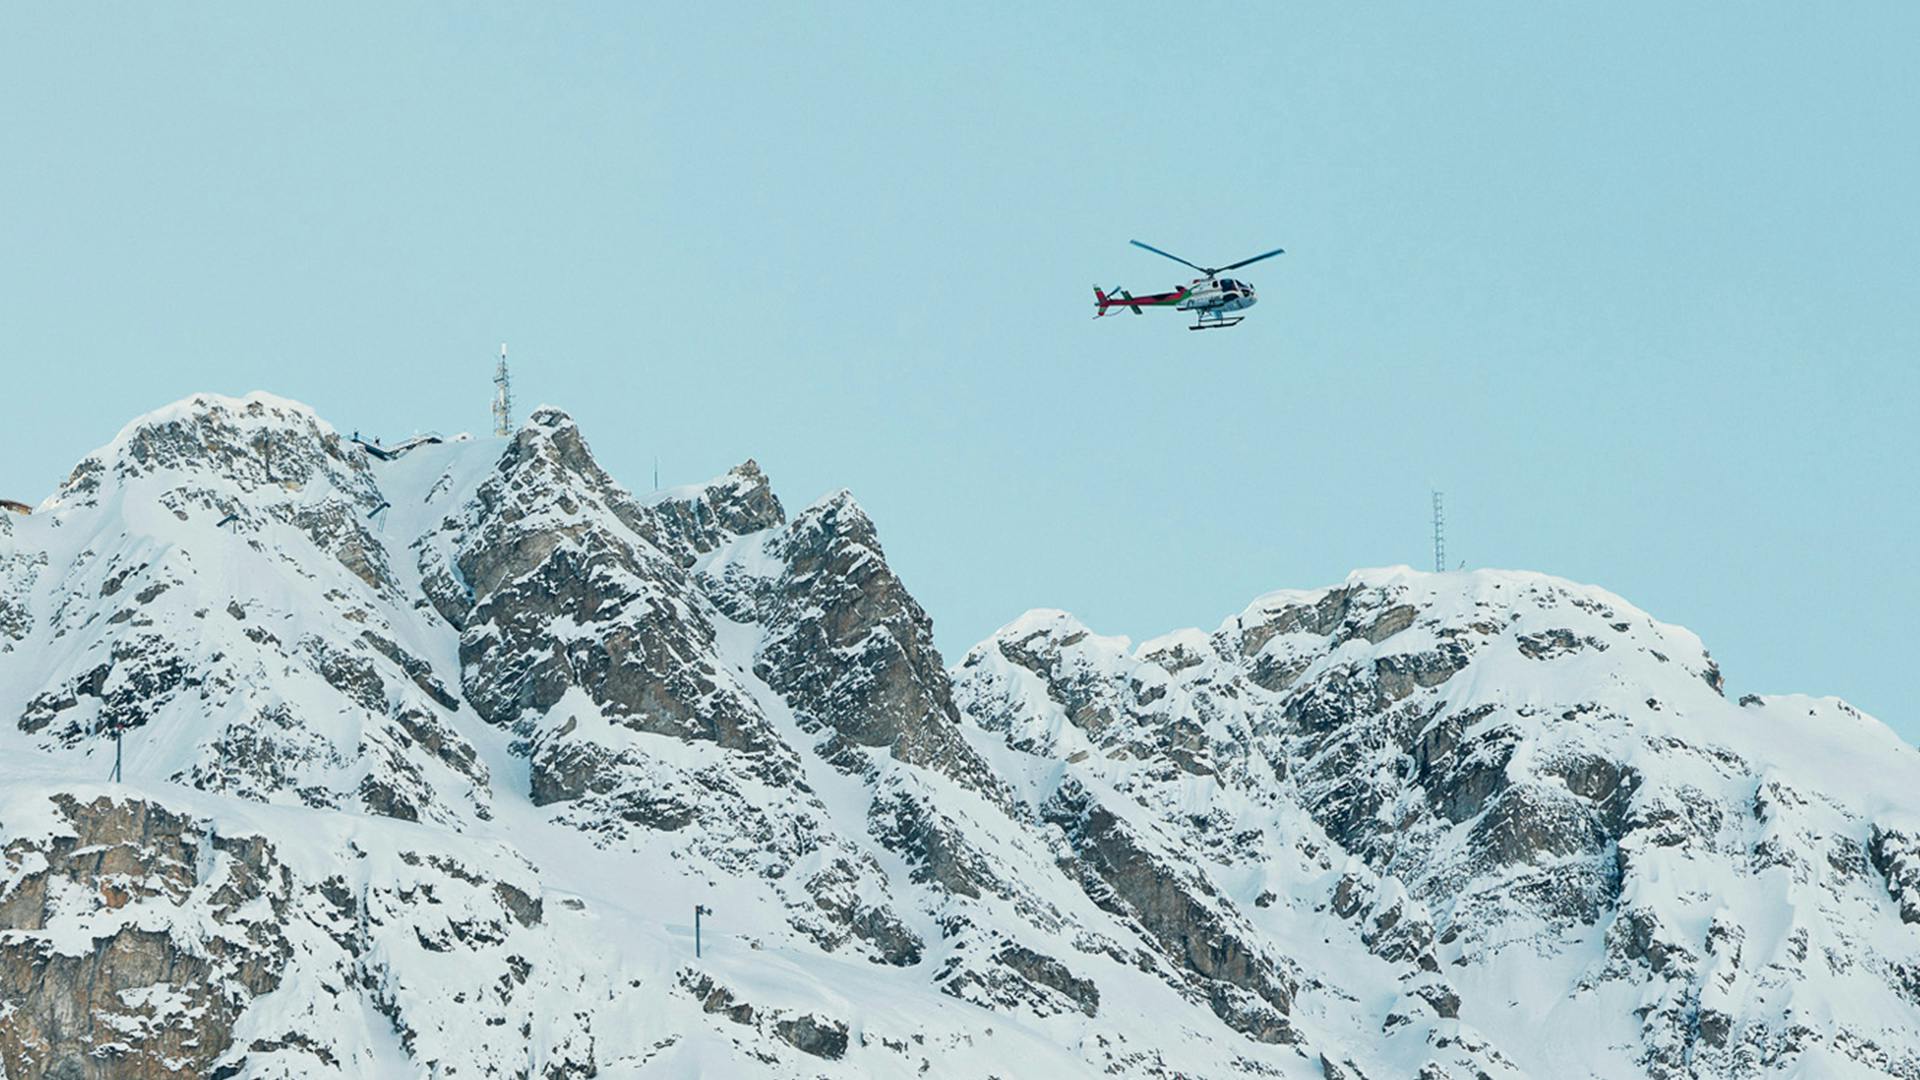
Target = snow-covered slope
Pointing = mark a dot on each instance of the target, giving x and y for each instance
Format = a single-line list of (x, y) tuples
[(428, 761)]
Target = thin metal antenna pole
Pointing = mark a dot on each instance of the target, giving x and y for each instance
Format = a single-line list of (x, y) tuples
[(1439, 534)]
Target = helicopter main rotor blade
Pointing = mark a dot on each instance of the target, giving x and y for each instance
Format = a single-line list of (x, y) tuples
[(1255, 259), (1169, 255)]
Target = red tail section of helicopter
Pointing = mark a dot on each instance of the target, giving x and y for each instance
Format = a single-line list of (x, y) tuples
[(1104, 302)]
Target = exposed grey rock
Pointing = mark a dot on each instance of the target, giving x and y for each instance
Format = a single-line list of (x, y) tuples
[(853, 653), (814, 1035), (1012, 977), (1341, 1070), (1896, 855), (417, 669), (836, 891), (139, 1003), (550, 543), (1558, 641), (1044, 970), (19, 573), (807, 1032), (907, 822), (1190, 923), (739, 503)]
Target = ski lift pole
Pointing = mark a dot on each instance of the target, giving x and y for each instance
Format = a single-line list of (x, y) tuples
[(698, 910)]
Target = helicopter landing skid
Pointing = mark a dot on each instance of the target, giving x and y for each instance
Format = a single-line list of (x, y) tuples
[(1217, 324)]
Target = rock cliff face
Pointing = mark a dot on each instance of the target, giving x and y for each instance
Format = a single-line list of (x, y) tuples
[(136, 1002), (428, 760)]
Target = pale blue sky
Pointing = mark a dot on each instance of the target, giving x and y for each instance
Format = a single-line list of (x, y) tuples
[(1636, 285)]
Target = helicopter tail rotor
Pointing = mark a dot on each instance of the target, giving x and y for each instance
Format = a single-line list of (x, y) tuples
[(1105, 303)]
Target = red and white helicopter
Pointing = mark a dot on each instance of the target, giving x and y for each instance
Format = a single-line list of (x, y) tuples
[(1212, 299)]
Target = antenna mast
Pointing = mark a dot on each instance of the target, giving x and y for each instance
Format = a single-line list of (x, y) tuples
[(502, 396), (1439, 534)]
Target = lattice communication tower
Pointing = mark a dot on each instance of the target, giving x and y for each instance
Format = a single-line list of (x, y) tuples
[(502, 396)]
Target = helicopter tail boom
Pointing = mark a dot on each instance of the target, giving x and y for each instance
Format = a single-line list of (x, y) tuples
[(1104, 303)]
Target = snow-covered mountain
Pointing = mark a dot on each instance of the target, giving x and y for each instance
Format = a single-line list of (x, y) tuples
[(429, 758)]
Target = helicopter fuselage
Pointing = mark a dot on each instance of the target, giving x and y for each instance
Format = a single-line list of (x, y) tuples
[(1218, 295)]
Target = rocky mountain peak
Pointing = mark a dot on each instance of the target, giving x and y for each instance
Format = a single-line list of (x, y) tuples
[(743, 501), (246, 444), (837, 512), (696, 520), (548, 416), (854, 651), (548, 460)]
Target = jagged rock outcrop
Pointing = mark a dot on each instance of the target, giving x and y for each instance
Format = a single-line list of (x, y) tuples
[(693, 523), (1195, 927), (585, 634), (567, 595), (1896, 855), (140, 942), (852, 652), (140, 999)]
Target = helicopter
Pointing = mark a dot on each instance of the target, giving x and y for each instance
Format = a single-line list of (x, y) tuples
[(1212, 299)]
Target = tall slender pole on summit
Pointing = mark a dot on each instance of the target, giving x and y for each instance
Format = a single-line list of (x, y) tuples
[(1439, 535), (502, 396)]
